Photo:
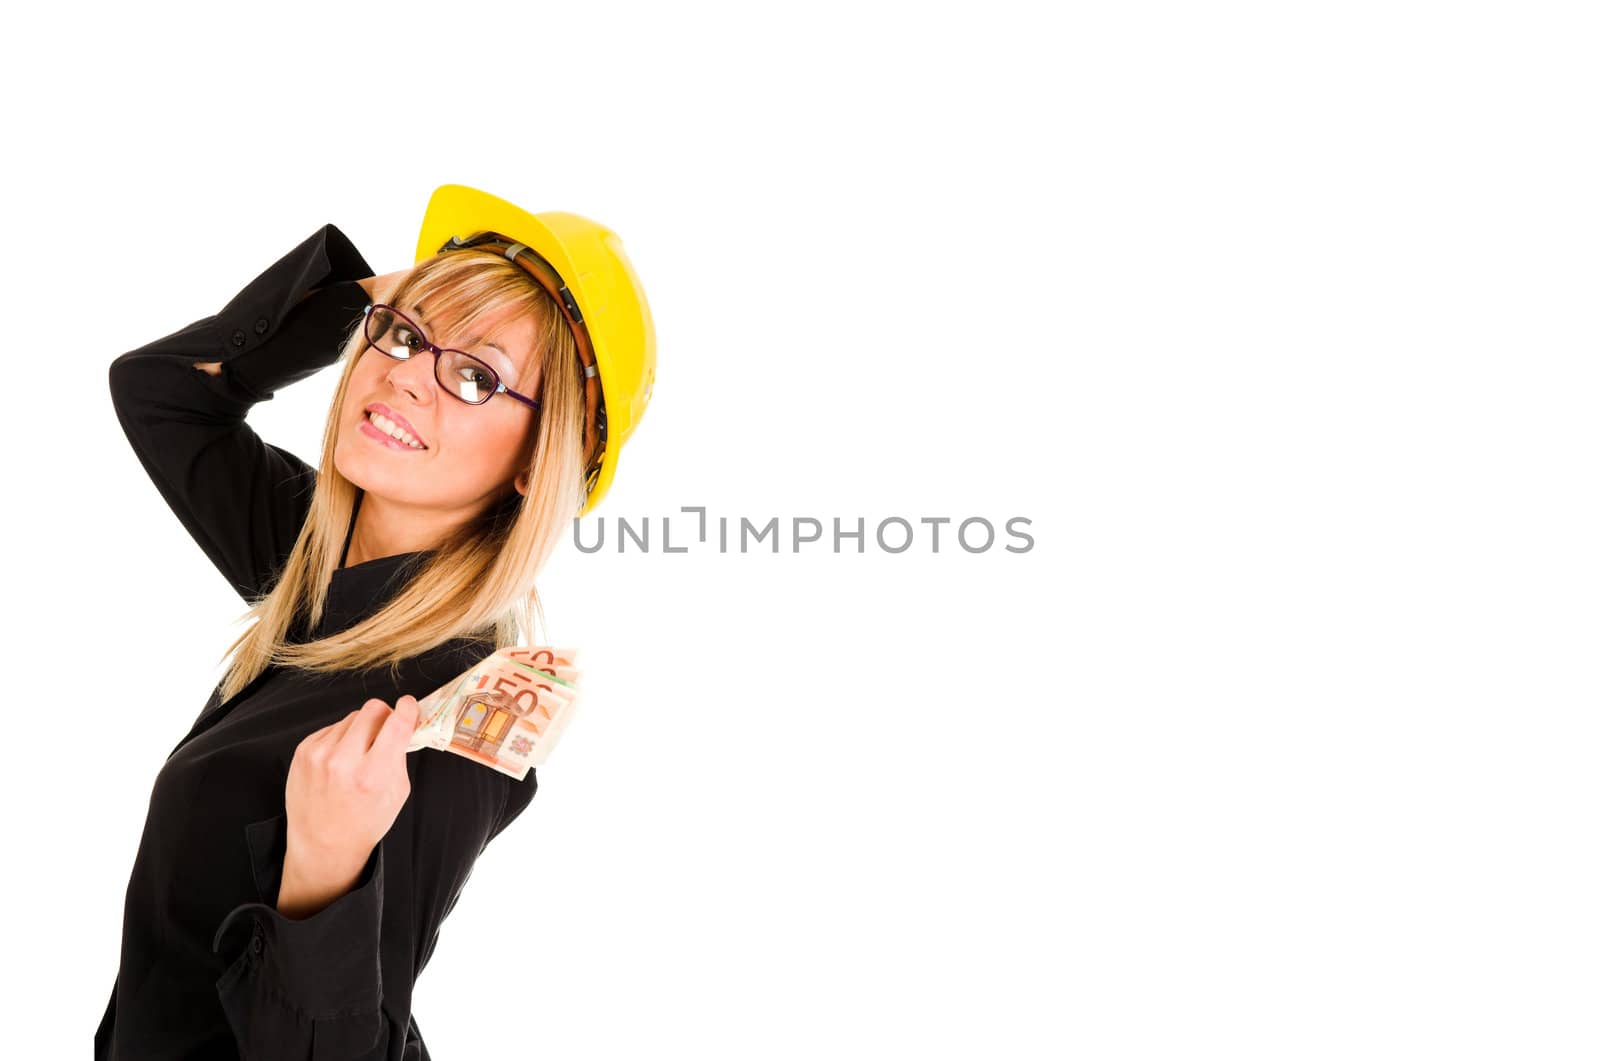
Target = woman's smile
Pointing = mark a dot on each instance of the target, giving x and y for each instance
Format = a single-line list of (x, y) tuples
[(372, 431)]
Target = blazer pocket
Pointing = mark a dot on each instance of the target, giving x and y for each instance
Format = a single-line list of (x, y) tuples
[(267, 840)]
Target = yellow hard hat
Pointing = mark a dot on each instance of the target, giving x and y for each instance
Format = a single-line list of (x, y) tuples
[(582, 265)]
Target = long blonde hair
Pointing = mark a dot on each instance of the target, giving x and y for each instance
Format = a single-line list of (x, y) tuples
[(479, 583)]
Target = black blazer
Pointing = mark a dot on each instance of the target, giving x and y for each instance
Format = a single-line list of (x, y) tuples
[(209, 968)]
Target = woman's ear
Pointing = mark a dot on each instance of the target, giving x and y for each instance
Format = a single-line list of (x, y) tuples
[(521, 483)]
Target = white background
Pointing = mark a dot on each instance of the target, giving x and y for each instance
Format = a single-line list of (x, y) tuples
[(1278, 323)]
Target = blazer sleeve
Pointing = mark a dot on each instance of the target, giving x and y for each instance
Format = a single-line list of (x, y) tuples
[(331, 985), (241, 499)]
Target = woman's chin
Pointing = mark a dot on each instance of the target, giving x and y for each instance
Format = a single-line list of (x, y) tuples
[(358, 467)]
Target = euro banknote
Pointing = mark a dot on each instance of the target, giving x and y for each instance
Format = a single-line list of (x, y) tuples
[(506, 711)]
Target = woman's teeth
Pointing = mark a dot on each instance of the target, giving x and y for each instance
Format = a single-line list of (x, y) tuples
[(389, 427)]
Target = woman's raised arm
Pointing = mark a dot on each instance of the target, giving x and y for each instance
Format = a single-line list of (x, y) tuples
[(241, 499)]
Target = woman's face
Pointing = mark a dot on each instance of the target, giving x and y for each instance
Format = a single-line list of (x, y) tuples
[(469, 452)]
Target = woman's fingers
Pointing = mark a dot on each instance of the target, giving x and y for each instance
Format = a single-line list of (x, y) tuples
[(392, 738), (359, 728), (377, 730), (328, 736)]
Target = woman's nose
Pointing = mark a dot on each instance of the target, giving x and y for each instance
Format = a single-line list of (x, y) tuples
[(415, 374)]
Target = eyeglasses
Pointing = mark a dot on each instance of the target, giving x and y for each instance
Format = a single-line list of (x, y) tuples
[(459, 373)]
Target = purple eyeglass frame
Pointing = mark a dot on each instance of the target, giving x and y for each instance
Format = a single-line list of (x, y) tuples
[(499, 387)]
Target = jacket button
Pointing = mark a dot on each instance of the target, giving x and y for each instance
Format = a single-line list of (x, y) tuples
[(238, 337), (255, 942), (261, 326)]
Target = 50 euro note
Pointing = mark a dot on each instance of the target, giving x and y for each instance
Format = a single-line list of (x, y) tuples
[(506, 711)]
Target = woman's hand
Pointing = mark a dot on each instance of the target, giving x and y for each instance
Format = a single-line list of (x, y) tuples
[(347, 783), (379, 288)]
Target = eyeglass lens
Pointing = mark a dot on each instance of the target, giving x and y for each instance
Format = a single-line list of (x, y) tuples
[(461, 374)]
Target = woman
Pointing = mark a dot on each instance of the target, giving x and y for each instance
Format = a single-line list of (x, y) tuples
[(296, 863)]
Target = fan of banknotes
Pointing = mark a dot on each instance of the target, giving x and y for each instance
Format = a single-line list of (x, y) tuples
[(506, 711)]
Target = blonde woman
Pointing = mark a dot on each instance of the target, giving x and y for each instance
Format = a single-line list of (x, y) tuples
[(297, 863)]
